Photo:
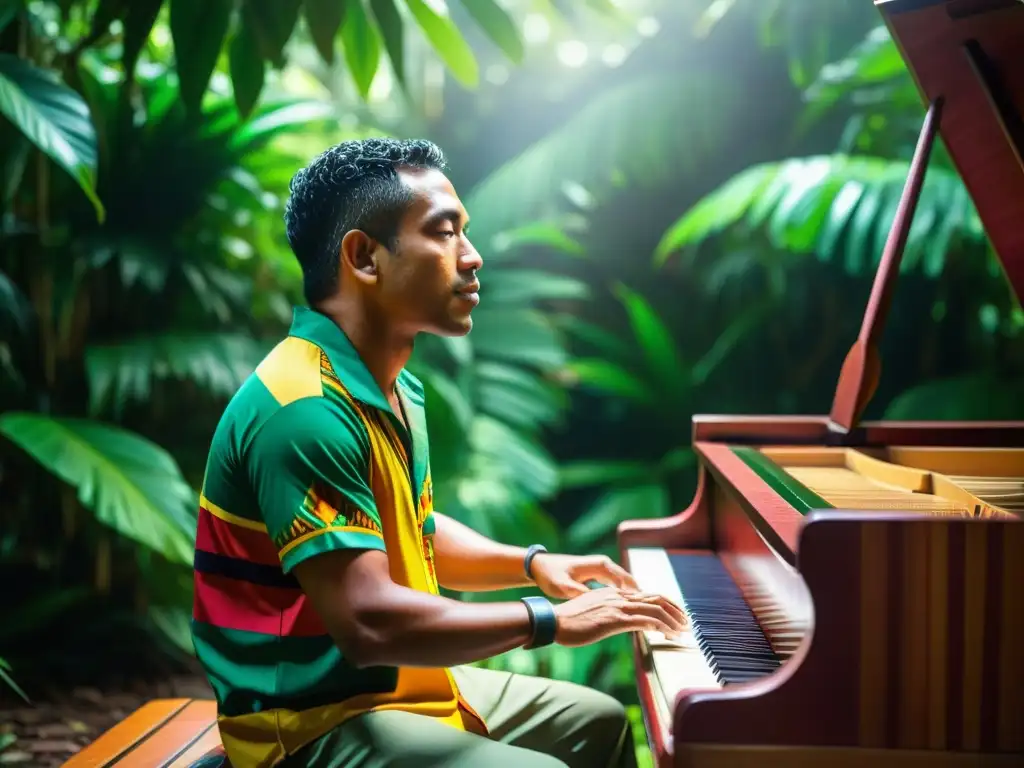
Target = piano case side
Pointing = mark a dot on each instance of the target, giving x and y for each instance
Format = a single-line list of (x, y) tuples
[(917, 645)]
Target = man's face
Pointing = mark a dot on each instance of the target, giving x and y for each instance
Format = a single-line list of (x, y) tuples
[(430, 283)]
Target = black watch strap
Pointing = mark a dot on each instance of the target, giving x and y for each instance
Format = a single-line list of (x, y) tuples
[(543, 621), (532, 552)]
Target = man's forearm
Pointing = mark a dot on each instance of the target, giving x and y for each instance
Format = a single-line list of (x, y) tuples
[(405, 627), (469, 562)]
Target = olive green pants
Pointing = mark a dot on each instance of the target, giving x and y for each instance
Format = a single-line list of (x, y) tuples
[(533, 723)]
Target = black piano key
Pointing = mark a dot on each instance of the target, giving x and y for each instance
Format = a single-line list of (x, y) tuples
[(723, 625)]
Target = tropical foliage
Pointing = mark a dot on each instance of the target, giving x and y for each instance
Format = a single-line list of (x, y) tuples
[(144, 276), (839, 208), (143, 270)]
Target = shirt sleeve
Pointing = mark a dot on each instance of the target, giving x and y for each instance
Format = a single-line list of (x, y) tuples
[(310, 468)]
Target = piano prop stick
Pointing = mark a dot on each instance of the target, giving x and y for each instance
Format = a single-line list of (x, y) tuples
[(862, 368), (855, 589)]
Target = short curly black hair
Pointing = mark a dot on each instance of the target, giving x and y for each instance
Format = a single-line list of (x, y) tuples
[(353, 185)]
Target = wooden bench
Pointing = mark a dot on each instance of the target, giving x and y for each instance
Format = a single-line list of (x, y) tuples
[(166, 733)]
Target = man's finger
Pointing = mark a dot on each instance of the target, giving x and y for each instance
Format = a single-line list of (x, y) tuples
[(672, 608), (572, 588), (606, 570), (657, 611)]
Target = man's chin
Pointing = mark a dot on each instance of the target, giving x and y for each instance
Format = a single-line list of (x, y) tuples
[(460, 326)]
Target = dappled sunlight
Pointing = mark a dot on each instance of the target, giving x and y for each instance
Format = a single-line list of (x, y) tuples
[(680, 208)]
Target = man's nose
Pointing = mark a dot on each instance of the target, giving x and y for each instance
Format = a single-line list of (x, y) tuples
[(470, 259)]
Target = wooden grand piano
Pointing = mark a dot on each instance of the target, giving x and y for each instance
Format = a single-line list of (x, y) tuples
[(855, 589)]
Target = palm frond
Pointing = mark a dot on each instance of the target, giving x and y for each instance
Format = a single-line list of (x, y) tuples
[(644, 133), (218, 362), (871, 72), (516, 334), (517, 396), (839, 207)]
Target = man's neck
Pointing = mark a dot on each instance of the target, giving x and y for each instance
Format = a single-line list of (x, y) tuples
[(383, 351)]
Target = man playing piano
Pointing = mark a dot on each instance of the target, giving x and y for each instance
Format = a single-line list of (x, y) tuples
[(318, 560)]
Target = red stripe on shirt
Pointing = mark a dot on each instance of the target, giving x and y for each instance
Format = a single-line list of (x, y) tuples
[(232, 604), (220, 537)]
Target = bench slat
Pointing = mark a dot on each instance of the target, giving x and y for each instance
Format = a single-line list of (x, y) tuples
[(165, 733), (173, 737), (209, 741), (127, 733)]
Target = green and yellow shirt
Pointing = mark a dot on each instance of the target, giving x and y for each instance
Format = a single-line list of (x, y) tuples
[(308, 458)]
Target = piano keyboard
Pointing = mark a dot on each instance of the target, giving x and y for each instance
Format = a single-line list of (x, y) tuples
[(723, 643)]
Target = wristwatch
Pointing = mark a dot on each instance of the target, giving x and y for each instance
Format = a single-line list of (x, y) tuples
[(543, 622), (532, 552)]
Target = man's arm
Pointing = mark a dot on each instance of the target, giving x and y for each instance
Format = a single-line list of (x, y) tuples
[(378, 622), (470, 562), (467, 561), (309, 465)]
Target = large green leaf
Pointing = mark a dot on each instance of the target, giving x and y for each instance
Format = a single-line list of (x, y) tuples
[(447, 41), (271, 120), (198, 29), (646, 132), (517, 334), (392, 30), (611, 379), (138, 17), (971, 397), (840, 207), (498, 25), (362, 46), (323, 18), (53, 117), (9, 10), (655, 343), (271, 23), (130, 484), (248, 70)]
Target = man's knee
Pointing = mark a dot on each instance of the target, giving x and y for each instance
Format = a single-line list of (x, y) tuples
[(599, 713)]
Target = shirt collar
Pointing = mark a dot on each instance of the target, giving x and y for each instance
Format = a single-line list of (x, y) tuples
[(319, 329)]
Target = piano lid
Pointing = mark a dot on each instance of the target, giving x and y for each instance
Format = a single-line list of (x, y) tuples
[(970, 53)]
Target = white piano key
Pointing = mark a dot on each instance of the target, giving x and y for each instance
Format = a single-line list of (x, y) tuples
[(676, 663), (653, 572)]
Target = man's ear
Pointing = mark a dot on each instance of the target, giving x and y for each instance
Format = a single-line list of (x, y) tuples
[(359, 255)]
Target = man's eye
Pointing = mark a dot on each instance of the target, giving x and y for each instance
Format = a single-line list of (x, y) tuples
[(447, 232)]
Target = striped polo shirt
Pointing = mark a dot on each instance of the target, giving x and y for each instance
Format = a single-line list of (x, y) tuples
[(309, 457)]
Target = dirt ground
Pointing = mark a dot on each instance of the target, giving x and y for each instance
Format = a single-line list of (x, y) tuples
[(61, 720)]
